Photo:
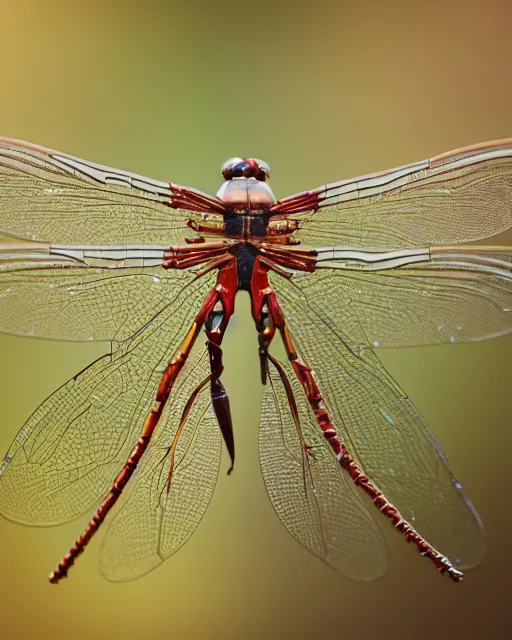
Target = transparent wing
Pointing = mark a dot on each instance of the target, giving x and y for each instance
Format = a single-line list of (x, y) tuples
[(46, 295), (315, 501), (67, 455), (50, 196), (461, 196), (382, 429), (154, 523), (450, 294)]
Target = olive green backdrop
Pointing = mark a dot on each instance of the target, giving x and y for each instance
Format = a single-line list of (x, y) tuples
[(322, 91)]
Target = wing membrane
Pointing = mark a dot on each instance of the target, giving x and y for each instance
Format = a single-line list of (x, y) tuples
[(462, 196), (382, 429), (450, 294), (154, 523), (66, 456), (318, 505), (50, 196), (49, 296)]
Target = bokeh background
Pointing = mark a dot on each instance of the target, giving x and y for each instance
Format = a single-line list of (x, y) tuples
[(322, 91)]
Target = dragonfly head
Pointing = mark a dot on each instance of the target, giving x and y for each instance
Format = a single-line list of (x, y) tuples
[(245, 168), (245, 188)]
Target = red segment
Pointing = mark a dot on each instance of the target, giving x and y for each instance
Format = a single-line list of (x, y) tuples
[(193, 200), (292, 260), (347, 463), (306, 201), (164, 389), (192, 254), (227, 286), (260, 287)]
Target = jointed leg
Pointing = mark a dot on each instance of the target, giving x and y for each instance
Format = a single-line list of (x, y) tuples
[(348, 464), (166, 383), (220, 401)]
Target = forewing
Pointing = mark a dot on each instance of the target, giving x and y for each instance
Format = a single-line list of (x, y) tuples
[(313, 498), (53, 197), (67, 455), (382, 429), (157, 519), (450, 294), (461, 196), (47, 295)]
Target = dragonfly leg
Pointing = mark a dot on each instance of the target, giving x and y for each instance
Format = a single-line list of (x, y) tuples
[(216, 229), (195, 240), (345, 460), (266, 331), (166, 383), (216, 326), (194, 254)]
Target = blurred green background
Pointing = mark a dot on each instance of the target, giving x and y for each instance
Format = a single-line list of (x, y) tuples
[(321, 91)]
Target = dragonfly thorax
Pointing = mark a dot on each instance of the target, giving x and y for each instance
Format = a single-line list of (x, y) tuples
[(246, 195)]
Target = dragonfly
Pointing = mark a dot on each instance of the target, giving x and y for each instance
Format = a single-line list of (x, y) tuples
[(392, 259)]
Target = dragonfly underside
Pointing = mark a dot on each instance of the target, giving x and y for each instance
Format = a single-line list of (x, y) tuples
[(91, 252)]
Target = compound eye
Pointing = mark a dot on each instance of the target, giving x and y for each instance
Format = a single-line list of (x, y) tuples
[(237, 168), (226, 170), (245, 168), (264, 169), (229, 163)]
